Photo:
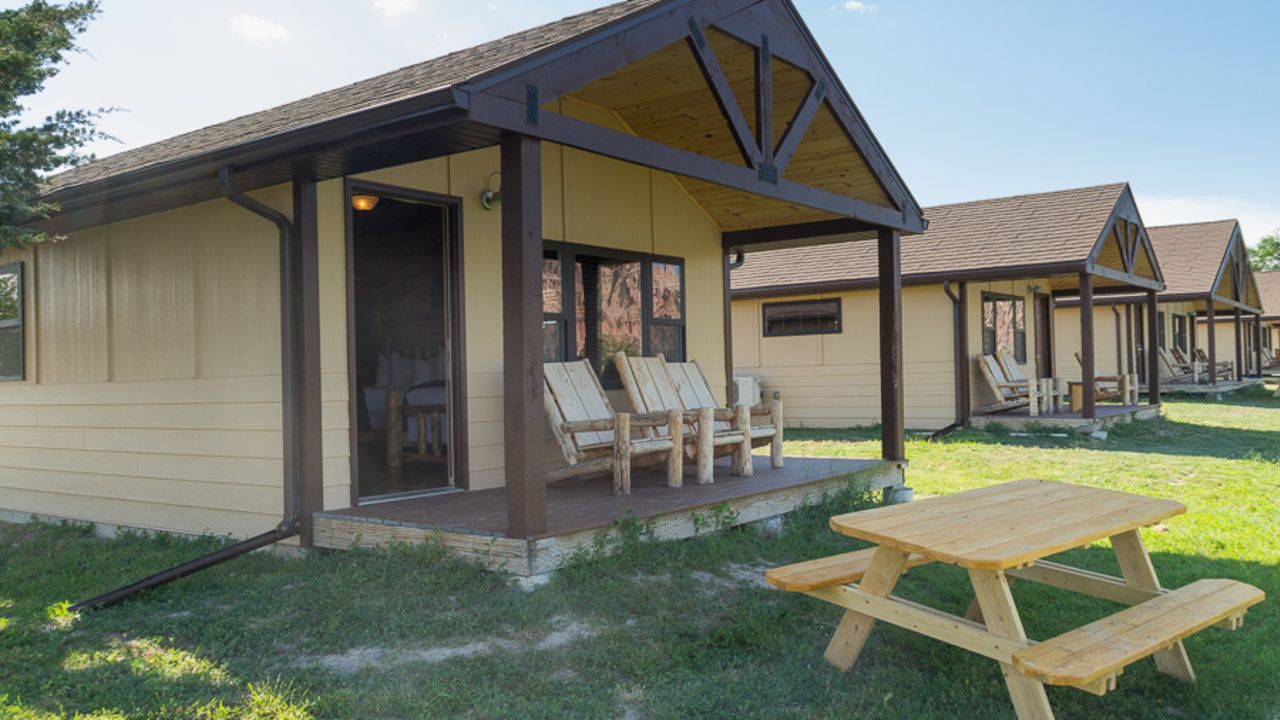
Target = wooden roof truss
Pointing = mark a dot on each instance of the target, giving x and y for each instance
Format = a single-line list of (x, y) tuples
[(700, 85), (1123, 254), (1234, 284)]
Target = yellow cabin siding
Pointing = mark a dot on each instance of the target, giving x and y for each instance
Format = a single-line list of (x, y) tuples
[(1111, 336), (153, 391), (834, 380)]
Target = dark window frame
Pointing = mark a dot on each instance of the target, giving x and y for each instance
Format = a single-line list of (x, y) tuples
[(1019, 336), (15, 268), (567, 254), (837, 330), (1180, 332), (1162, 330)]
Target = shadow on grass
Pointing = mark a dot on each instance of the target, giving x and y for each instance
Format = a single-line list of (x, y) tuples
[(1259, 396)]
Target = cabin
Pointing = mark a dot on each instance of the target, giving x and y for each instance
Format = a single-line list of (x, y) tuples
[(979, 299), (1211, 299), (337, 311), (1269, 292)]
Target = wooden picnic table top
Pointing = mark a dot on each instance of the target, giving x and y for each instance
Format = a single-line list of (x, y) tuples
[(1008, 525)]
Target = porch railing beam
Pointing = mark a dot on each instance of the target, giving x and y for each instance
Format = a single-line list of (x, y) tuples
[(889, 257), (522, 415)]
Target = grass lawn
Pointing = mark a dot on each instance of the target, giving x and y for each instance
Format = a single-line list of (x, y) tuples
[(659, 630)]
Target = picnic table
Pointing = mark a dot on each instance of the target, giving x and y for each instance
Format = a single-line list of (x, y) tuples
[(1003, 532)]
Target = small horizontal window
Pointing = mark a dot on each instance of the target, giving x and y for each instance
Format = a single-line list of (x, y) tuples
[(802, 317)]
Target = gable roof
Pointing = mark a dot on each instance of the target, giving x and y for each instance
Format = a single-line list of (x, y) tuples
[(1269, 290), (410, 81), (1209, 259), (468, 99), (1000, 237), (1192, 253)]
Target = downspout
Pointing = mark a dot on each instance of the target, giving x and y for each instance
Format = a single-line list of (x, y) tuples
[(290, 525), (739, 257), (960, 342), (1115, 310)]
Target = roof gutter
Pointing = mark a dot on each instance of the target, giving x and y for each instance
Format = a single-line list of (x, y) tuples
[(291, 524)]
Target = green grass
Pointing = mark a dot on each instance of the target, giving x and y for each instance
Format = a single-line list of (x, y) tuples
[(661, 630)]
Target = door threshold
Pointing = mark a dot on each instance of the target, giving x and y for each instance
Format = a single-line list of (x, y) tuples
[(393, 497)]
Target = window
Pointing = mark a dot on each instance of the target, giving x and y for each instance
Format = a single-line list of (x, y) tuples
[(12, 354), (802, 317), (598, 302), (1162, 331), (1004, 325), (1180, 332)]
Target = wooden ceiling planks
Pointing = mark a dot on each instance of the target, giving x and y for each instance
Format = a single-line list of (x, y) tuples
[(664, 97)]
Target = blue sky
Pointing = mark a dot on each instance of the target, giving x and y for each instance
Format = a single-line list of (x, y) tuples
[(971, 98)]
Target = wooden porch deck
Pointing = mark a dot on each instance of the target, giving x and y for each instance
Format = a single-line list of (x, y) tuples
[(1224, 387), (474, 523), (1107, 415)]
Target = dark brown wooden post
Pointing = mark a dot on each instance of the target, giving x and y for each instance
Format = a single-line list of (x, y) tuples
[(1239, 343), (1115, 310), (1088, 405), (964, 399), (1256, 336), (728, 328), (1212, 320), (306, 415), (892, 434), (1153, 357), (1128, 338), (523, 416)]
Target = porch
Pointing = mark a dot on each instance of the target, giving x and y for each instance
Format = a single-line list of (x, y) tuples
[(1224, 387), (1105, 416), (474, 524)]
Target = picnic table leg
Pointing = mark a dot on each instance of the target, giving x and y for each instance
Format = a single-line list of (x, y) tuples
[(991, 590), (882, 574), (1135, 565), (974, 611)]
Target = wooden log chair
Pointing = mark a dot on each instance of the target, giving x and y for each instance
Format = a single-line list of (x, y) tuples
[(654, 385), (1225, 369), (1269, 361), (430, 420), (1122, 388), (595, 439), (1049, 399), (1011, 395), (1175, 372)]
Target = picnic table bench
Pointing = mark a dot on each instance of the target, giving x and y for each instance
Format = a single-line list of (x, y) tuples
[(1003, 532)]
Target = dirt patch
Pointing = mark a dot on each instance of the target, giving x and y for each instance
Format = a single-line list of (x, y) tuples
[(735, 576), (354, 660)]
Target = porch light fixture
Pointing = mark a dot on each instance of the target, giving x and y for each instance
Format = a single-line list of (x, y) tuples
[(364, 203), (490, 198)]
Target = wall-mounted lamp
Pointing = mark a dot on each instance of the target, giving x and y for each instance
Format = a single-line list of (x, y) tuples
[(1034, 289), (364, 203), (490, 198)]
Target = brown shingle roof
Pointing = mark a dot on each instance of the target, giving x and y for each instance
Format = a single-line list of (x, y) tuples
[(1269, 289), (1191, 254), (1051, 227), (397, 85)]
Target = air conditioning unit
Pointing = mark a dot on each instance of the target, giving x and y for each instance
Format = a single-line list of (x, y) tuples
[(747, 390)]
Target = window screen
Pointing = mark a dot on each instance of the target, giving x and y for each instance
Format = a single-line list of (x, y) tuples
[(12, 353), (802, 317)]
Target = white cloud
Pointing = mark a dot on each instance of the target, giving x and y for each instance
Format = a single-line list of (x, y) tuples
[(252, 27), (861, 7), (1256, 218), (395, 8)]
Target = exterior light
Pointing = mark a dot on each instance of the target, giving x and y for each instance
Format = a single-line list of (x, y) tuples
[(364, 203), (490, 198)]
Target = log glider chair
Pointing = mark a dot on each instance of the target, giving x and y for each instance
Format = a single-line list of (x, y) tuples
[(1123, 388), (1010, 394), (1175, 371), (596, 439), (655, 386), (1225, 369)]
